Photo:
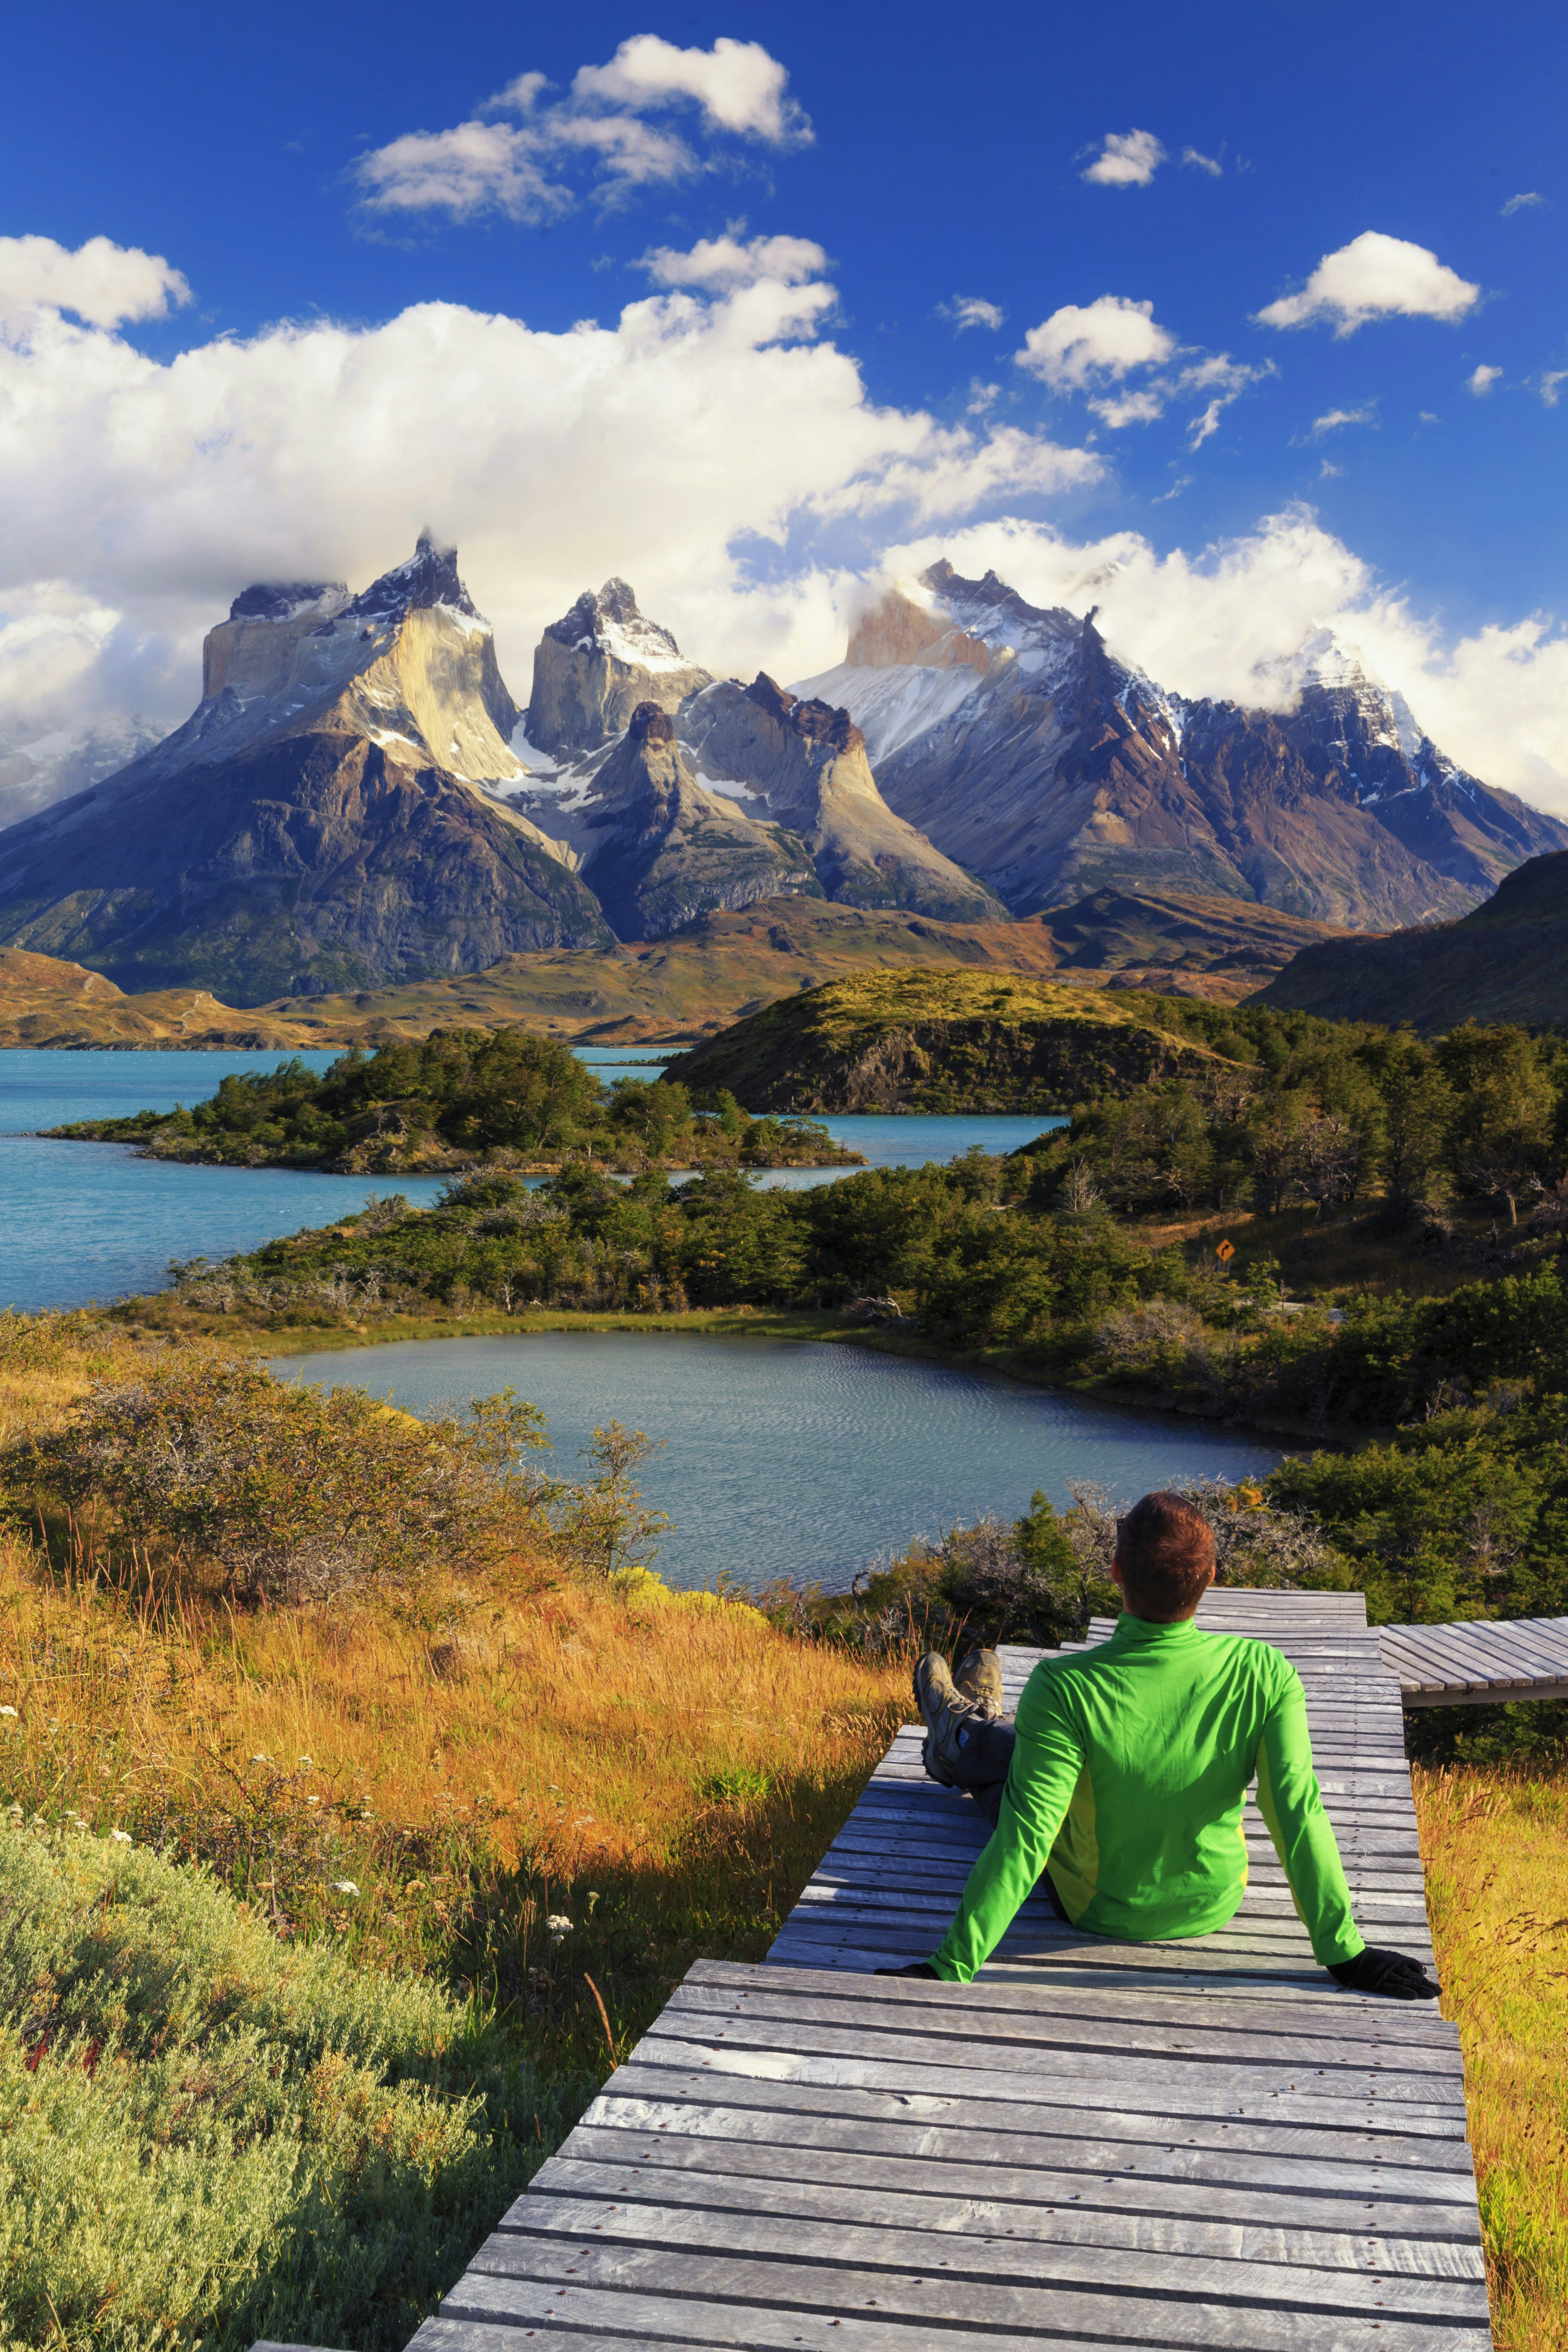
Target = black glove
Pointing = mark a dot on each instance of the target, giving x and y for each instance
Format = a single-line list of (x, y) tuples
[(1393, 1974), (915, 1969)]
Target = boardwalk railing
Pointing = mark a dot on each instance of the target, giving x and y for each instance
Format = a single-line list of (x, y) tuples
[(1180, 2145)]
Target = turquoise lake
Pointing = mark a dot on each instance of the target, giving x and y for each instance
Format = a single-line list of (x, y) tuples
[(779, 1457), (94, 1221), (807, 1459)]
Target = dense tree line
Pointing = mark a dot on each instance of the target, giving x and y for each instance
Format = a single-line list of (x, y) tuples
[(458, 1096), (1338, 1115)]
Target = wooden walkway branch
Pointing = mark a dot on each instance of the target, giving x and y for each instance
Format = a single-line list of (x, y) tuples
[(1479, 1663)]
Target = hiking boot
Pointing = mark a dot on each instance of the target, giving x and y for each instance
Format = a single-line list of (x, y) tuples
[(978, 1678), (945, 1712)]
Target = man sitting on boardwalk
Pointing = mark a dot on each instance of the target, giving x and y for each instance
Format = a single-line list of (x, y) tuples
[(1127, 1769)]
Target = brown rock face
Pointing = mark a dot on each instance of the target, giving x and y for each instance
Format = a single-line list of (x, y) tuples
[(806, 761), (898, 631), (661, 850), (595, 665)]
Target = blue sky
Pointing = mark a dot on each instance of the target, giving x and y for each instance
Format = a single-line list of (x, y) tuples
[(934, 160)]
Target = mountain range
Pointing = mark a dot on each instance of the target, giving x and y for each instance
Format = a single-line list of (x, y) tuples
[(357, 802), (1010, 735)]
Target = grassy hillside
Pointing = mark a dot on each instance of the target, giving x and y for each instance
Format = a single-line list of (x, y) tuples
[(682, 987), (299, 1904), (1506, 962), (940, 1042)]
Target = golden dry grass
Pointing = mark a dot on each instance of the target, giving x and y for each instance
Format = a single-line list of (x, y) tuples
[(1495, 1845), (663, 1771)]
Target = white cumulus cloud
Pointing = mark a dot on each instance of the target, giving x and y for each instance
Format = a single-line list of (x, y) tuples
[(1481, 380), (1375, 277), (1198, 162), (1335, 420), (104, 283), (719, 264), (1129, 158), (534, 168), (738, 86), (1528, 201), (1081, 344), (1093, 348), (972, 310), (1118, 408), (701, 444)]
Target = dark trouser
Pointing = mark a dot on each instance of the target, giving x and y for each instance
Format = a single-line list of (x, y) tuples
[(981, 1766)]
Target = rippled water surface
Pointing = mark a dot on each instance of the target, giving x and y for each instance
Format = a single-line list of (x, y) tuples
[(81, 1220), (804, 1459)]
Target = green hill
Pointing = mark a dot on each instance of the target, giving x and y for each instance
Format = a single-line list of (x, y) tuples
[(1506, 962), (943, 1042)]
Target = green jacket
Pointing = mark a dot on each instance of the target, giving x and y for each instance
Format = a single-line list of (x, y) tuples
[(1129, 1777)]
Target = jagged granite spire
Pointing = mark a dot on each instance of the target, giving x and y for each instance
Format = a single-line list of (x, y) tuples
[(429, 577)]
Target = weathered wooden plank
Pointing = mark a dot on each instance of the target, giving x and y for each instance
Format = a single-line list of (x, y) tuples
[(1122, 2036), (866, 2196), (1385, 2162), (1358, 2015), (1102, 2275), (502, 2309), (1177, 2102), (735, 2142), (1080, 2070)]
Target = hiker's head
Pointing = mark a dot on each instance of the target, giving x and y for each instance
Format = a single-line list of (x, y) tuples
[(1164, 1557)]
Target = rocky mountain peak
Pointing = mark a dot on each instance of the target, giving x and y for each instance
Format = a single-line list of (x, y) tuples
[(594, 667), (275, 600), (1053, 768), (611, 623), (650, 724), (429, 577)]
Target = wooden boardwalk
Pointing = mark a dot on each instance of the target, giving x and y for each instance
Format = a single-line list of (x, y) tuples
[(1097, 2144), (1479, 1663)]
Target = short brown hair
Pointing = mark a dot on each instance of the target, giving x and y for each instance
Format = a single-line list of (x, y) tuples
[(1164, 1549)]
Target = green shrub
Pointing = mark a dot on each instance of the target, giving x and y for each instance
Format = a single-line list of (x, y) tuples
[(206, 2136), (289, 1492)]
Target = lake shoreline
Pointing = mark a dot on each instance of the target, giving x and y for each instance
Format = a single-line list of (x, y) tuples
[(764, 1323)]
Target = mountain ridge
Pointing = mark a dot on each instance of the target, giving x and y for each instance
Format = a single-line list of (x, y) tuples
[(1507, 960), (321, 818), (1010, 735)]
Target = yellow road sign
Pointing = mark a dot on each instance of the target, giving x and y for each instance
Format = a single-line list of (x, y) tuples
[(1226, 1252)]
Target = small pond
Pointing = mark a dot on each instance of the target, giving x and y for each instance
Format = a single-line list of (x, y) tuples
[(807, 1459)]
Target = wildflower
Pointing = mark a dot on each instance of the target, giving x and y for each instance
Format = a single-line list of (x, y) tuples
[(312, 1800), (558, 1926), (305, 1759), (345, 1886), (261, 1760), (122, 1837), (8, 1710)]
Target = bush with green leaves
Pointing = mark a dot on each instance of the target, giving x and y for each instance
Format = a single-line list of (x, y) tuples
[(207, 2136), (216, 1467)]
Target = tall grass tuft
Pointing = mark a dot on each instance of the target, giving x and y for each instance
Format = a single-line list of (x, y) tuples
[(1495, 1846)]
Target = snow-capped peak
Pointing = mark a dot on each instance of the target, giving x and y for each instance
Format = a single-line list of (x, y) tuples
[(428, 578), (610, 622)]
